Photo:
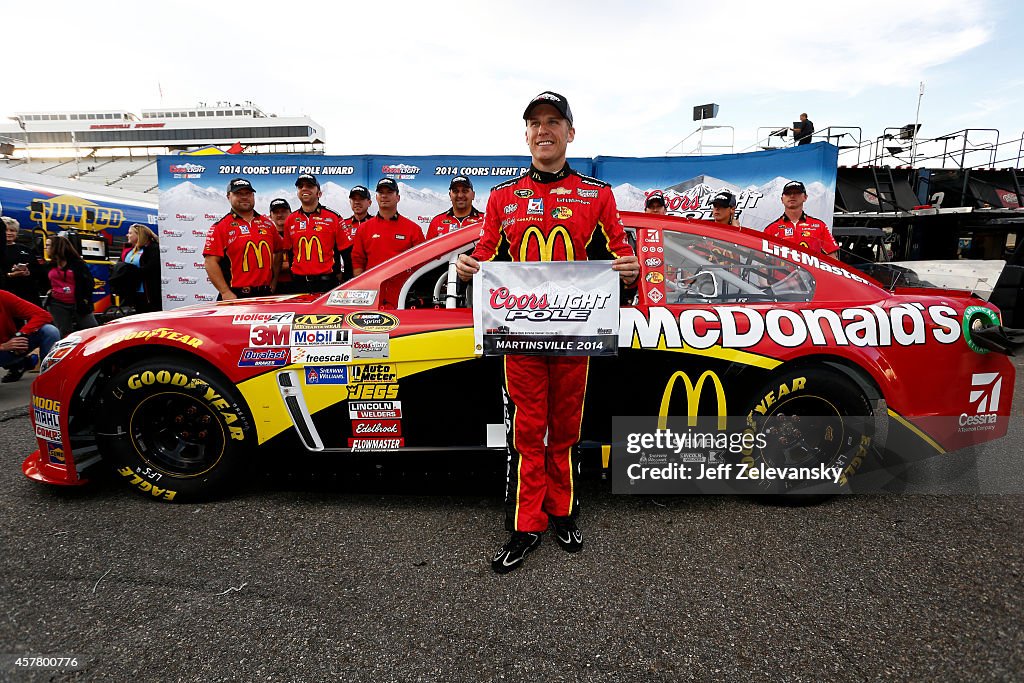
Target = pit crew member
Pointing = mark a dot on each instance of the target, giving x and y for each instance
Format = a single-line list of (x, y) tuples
[(796, 226), (655, 203), (313, 235), (280, 209), (23, 327), (462, 214), (359, 200), (544, 395), (245, 244), (386, 234)]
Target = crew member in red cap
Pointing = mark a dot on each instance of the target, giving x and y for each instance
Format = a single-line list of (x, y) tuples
[(313, 235), (386, 234), (243, 249), (359, 200), (796, 226), (544, 394), (279, 212), (655, 203), (462, 214)]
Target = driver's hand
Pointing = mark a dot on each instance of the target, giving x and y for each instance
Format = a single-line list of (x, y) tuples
[(466, 266), (628, 268)]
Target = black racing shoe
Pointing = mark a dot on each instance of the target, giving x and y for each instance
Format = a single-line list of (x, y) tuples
[(567, 534), (15, 372), (512, 554)]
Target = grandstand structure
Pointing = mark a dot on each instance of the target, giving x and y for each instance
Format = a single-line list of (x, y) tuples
[(117, 149)]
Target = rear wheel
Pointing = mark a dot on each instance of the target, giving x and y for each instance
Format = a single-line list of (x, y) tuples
[(172, 430), (813, 424)]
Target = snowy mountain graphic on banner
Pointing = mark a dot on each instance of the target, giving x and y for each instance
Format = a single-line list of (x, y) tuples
[(420, 205), (191, 199)]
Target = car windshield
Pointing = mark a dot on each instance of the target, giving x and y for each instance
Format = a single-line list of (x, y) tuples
[(701, 269)]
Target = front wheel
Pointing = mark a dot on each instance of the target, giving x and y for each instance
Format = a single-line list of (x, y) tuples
[(815, 428), (172, 430)]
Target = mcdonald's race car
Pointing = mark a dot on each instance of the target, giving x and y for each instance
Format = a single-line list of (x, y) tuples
[(725, 322)]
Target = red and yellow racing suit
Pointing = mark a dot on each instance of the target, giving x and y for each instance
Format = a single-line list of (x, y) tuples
[(541, 216)]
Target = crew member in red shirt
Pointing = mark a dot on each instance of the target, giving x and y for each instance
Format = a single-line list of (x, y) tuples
[(573, 218), (246, 245), (359, 200), (313, 235), (462, 214), (386, 234), (796, 226), (655, 203), (279, 212), (23, 327)]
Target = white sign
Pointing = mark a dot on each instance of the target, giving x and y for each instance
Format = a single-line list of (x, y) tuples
[(553, 308)]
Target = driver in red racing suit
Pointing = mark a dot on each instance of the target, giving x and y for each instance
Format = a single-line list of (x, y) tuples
[(550, 214)]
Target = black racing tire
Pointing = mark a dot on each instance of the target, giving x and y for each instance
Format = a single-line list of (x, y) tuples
[(809, 417), (173, 430)]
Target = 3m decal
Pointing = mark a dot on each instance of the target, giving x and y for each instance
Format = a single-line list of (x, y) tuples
[(372, 321), (269, 335)]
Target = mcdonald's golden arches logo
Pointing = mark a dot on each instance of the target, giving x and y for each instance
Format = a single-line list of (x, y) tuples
[(546, 245), (693, 393), (307, 244), (257, 248)]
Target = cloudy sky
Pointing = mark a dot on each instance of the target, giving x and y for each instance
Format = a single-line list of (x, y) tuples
[(453, 77)]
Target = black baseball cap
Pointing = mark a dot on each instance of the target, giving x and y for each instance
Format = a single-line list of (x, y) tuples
[(724, 199), (359, 190), (280, 204), (388, 183), (460, 180), (794, 186), (555, 100), (236, 184), (655, 197), (307, 176)]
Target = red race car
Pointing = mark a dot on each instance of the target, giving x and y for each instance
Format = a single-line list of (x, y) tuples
[(725, 322)]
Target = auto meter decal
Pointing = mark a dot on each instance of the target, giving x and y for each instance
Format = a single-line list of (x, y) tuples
[(374, 373), (738, 327), (372, 321)]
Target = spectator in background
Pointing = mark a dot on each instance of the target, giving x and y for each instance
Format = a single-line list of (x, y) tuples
[(71, 287), (143, 251), (655, 203), (248, 242), (23, 327), (280, 209), (796, 226), (723, 208), (803, 131), (385, 235), (19, 266), (359, 199), (461, 215)]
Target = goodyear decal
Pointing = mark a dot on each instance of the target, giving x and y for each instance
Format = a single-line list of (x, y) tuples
[(143, 485), (159, 333)]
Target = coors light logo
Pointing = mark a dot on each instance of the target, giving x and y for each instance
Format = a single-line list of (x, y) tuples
[(574, 305)]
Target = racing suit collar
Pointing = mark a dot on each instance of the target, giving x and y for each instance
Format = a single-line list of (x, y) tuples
[(785, 219), (255, 215), (545, 177), (361, 220), (314, 212), (473, 213)]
